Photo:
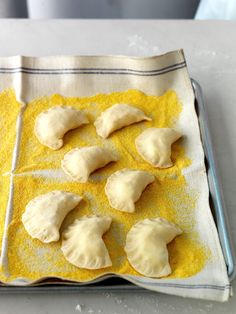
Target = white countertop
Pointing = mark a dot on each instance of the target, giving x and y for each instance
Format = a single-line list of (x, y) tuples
[(210, 50)]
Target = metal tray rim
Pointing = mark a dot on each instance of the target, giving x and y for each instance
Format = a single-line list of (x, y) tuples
[(215, 188)]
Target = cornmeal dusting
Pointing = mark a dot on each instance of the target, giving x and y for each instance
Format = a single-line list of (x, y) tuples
[(4, 193), (9, 110), (168, 197)]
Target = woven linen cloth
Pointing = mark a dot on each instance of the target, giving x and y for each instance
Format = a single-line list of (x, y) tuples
[(32, 84)]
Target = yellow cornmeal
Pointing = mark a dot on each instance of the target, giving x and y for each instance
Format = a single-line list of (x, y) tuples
[(9, 110), (4, 193), (167, 197)]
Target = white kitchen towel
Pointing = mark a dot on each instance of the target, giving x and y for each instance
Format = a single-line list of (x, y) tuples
[(89, 75)]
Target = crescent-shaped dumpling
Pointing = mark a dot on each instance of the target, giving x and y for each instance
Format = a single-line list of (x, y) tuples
[(116, 117), (154, 145), (79, 163), (52, 124), (124, 188), (82, 243), (45, 213), (146, 246)]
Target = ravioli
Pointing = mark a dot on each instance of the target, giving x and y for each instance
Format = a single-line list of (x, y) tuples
[(117, 117), (45, 213), (124, 188), (154, 145), (82, 243), (146, 246), (79, 163), (52, 124)]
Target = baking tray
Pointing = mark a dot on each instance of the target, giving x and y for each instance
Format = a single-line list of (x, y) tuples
[(217, 205)]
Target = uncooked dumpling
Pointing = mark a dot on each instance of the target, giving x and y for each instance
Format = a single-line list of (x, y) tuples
[(124, 188), (82, 243), (52, 124), (45, 213), (116, 117), (154, 145), (79, 163), (146, 246)]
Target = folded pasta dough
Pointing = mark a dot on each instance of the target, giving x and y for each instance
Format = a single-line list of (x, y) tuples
[(79, 163), (52, 124), (117, 117), (124, 188), (146, 246), (82, 243), (154, 145), (45, 213)]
